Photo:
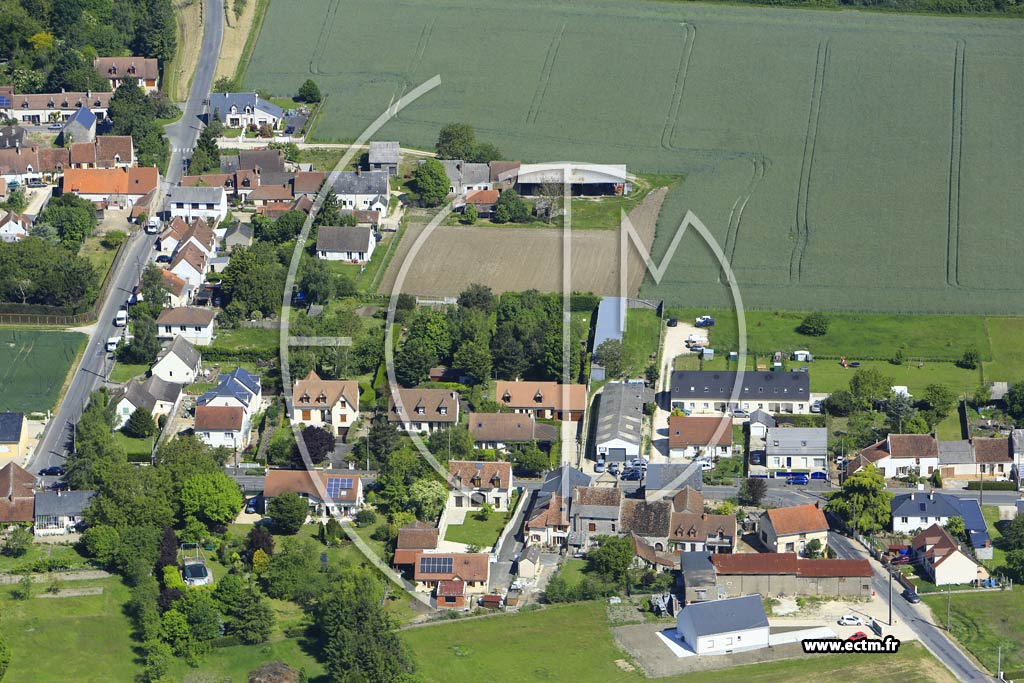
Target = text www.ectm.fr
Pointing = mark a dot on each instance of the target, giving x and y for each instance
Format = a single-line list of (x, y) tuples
[(834, 645)]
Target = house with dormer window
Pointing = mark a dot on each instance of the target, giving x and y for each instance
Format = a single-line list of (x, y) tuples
[(244, 109), (424, 410), (475, 483), (330, 404), (544, 400), (145, 71)]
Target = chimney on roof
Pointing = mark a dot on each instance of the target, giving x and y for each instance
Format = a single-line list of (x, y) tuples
[(931, 495), (817, 504), (359, 171)]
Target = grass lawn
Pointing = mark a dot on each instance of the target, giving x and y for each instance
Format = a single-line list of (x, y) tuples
[(640, 340), (123, 372), (476, 532), (327, 158), (65, 553), (138, 450), (99, 256), (82, 639), (829, 376), (34, 365), (981, 622), (991, 514), (949, 429), (1007, 354), (573, 642), (248, 338)]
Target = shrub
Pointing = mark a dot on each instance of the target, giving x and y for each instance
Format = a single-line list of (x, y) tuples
[(992, 485), (366, 517), (814, 325), (970, 359)]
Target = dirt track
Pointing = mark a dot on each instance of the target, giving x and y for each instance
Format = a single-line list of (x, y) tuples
[(511, 259)]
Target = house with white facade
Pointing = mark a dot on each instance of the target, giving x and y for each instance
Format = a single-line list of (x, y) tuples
[(723, 626), (177, 362), (920, 509), (14, 227), (332, 404), (179, 290), (790, 529), (193, 323), (60, 512), (498, 430), (244, 110), (424, 410), (900, 455), (691, 437), (188, 203), (344, 243), (366, 191), (222, 426), (790, 450), (475, 483), (190, 264), (145, 71), (237, 389), (43, 108), (115, 187), (704, 392), (942, 560), (154, 395)]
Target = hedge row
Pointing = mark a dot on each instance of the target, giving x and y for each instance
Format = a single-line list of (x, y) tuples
[(992, 485)]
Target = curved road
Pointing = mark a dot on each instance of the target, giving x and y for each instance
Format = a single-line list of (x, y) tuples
[(96, 363)]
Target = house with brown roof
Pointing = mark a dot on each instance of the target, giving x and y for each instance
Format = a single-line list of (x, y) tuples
[(145, 71), (484, 201), (201, 235), (120, 187), (595, 512), (900, 455), (17, 494), (473, 569), (193, 323), (226, 426), (548, 522), (179, 291), (693, 530), (692, 437), (332, 404), (413, 540), (498, 430), (239, 183), (191, 264), (545, 400), (266, 194), (174, 232), (770, 574), (970, 459), (106, 151), (790, 529), (475, 483), (307, 183), (329, 493), (424, 410), (651, 521), (942, 560), (43, 108), (14, 227)]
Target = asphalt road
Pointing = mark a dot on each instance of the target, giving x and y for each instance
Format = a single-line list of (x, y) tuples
[(916, 616), (96, 363)]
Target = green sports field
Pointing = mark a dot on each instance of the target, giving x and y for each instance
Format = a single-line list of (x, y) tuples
[(844, 160), (33, 367)]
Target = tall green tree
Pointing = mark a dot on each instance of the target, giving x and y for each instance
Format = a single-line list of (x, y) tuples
[(474, 358), (431, 182), (612, 558), (609, 354), (511, 208), (869, 386), (456, 141), (309, 91), (140, 424), (863, 501), (212, 498), (428, 496), (477, 296), (413, 362), (289, 512)]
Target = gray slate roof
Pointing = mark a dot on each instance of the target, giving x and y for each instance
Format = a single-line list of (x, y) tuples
[(343, 238), (10, 427), (956, 452), (239, 383), (241, 232), (564, 481), (145, 393), (661, 474), (921, 504), (762, 418), (11, 137), (64, 503), (384, 153), (183, 349), (621, 411), (725, 616), (203, 195), (83, 117), (609, 320), (796, 441), (768, 386), (221, 102), (372, 182)]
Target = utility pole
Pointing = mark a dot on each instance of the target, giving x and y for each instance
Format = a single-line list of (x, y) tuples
[(890, 596), (999, 664), (949, 600), (981, 485)]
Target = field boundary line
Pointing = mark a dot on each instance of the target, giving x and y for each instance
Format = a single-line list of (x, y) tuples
[(956, 145), (323, 37), (672, 119), (405, 78), (545, 76), (807, 163), (250, 42)]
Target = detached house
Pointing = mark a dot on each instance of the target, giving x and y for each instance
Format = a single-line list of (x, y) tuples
[(424, 410), (901, 455), (173, 234), (384, 156), (790, 529), (177, 362), (237, 389), (545, 400), (194, 324), (145, 71), (919, 510), (941, 559), (244, 110), (414, 539), (791, 450), (724, 626), (80, 127), (690, 437), (367, 191), (476, 483), (179, 290), (60, 512), (222, 426), (329, 493), (152, 394), (343, 243), (190, 264), (331, 404), (453, 577)]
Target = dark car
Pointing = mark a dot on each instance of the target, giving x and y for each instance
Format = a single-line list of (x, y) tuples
[(51, 472), (705, 321), (36, 183), (798, 480), (632, 475), (911, 596), (613, 468), (289, 130), (673, 322), (163, 258)]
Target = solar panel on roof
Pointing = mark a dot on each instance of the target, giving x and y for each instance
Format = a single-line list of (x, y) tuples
[(335, 485), (435, 565), (5, 101)]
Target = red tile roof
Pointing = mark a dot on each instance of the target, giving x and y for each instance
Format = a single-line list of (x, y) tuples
[(17, 495), (482, 197), (797, 519), (992, 450), (302, 481), (698, 431), (913, 446), (451, 589), (787, 563), (554, 514), (313, 392), (541, 395), (417, 535), (186, 315), (219, 418), (111, 181), (465, 566)]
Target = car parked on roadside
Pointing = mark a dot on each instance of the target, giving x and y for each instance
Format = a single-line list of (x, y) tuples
[(55, 126), (36, 183), (163, 258), (911, 596), (798, 480), (51, 472), (850, 620), (859, 635), (632, 475), (613, 468), (673, 322)]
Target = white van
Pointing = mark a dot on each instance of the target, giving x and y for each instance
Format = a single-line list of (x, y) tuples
[(112, 344), (121, 319), (153, 226)]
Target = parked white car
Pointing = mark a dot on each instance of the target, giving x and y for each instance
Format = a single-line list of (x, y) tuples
[(850, 620)]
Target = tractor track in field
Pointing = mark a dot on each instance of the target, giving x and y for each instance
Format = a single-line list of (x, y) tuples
[(760, 166), (804, 188), (545, 76), (956, 145), (323, 38), (672, 118), (426, 33)]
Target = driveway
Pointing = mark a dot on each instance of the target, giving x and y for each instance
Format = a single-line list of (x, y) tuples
[(673, 345)]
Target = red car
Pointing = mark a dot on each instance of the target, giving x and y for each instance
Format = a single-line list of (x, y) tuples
[(859, 635)]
